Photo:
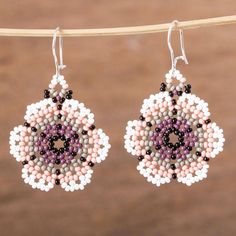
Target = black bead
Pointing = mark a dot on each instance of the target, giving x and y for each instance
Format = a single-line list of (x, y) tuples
[(42, 152), (55, 138), (163, 85), (92, 127), (199, 125), (46, 91), (189, 130), (179, 93), (189, 148), (43, 135), (84, 132), (188, 86), (148, 152), (174, 120), (141, 118), (55, 150), (75, 135), (140, 158), (172, 166), (167, 133), (174, 176), (57, 182), (58, 126), (61, 100), (70, 92), (170, 130), (157, 129), (68, 139), (176, 132), (187, 91), (166, 139), (54, 99), (165, 143), (149, 124), (181, 134), (208, 121), (162, 89), (26, 124), (173, 156), (46, 95), (24, 162), (174, 148), (73, 154), (61, 150), (66, 144), (83, 159), (171, 94), (51, 144), (174, 111), (158, 147), (177, 145), (68, 96), (59, 116), (173, 101), (59, 107), (206, 159), (181, 139), (182, 144), (58, 172), (170, 145), (33, 157), (33, 129), (58, 161), (91, 164), (63, 137), (50, 139), (198, 154)]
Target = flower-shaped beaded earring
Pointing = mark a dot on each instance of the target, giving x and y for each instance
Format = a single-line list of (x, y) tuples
[(174, 137), (58, 143)]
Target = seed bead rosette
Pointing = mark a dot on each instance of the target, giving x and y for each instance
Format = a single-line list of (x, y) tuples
[(58, 144), (174, 137)]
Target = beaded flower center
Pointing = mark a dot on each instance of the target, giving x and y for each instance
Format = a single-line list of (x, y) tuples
[(174, 139), (58, 144)]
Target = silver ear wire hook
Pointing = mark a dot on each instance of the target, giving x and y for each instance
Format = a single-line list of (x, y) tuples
[(183, 57), (59, 66)]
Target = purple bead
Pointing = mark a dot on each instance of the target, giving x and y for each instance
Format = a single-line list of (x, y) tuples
[(178, 122), (178, 156), (186, 152)]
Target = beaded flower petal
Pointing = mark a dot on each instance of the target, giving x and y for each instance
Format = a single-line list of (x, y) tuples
[(174, 137), (58, 143)]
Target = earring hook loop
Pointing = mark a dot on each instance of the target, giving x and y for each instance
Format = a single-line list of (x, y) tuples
[(59, 66), (174, 60)]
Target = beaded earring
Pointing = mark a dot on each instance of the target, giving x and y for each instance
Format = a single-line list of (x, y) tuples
[(174, 137), (58, 143)]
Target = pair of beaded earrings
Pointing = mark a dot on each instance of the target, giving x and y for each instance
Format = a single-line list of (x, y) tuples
[(173, 139)]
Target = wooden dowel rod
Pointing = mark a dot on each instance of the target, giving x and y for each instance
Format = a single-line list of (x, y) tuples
[(146, 29)]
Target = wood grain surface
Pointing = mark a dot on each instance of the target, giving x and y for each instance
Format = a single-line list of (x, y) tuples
[(112, 76)]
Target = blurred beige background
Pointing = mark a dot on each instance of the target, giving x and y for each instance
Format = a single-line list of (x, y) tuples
[(112, 76)]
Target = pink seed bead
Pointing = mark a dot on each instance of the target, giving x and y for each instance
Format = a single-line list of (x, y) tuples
[(169, 175)]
